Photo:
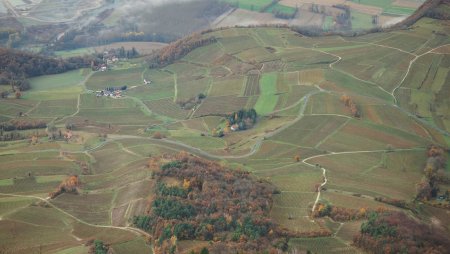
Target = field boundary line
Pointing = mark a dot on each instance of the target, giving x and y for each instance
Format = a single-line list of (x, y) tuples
[(175, 85), (33, 108), (332, 133), (129, 229), (409, 69)]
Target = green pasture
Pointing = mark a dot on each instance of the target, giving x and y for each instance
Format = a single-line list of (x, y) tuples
[(361, 21), (281, 8), (58, 81), (55, 94), (251, 5), (268, 98), (328, 24), (74, 250)]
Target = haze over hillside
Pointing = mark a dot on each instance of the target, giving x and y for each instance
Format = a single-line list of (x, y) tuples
[(76, 24), (260, 139)]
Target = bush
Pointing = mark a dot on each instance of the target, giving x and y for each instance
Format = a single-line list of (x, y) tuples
[(158, 135)]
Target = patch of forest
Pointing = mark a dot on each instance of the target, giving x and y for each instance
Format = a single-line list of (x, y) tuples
[(198, 199), (395, 232)]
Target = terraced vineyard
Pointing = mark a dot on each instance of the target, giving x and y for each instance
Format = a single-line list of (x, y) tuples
[(306, 140)]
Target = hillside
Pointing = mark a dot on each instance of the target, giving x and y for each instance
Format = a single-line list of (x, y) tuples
[(341, 128), (18, 65), (54, 26)]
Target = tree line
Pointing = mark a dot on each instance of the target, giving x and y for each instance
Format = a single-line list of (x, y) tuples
[(338, 213), (17, 66), (178, 49), (434, 175), (349, 103)]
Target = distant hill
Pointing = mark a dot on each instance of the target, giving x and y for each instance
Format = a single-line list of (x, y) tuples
[(431, 8)]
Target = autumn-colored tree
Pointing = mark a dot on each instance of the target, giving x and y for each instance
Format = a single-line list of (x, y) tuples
[(158, 135), (348, 102), (297, 158), (186, 184), (435, 151), (18, 95), (69, 185), (34, 139), (346, 99), (433, 174), (362, 212), (226, 130)]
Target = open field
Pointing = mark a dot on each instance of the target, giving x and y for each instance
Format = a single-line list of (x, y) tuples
[(311, 131), (51, 82), (102, 80), (251, 4), (319, 245)]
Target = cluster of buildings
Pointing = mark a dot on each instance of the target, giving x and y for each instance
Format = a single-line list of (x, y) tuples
[(108, 93), (109, 58)]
